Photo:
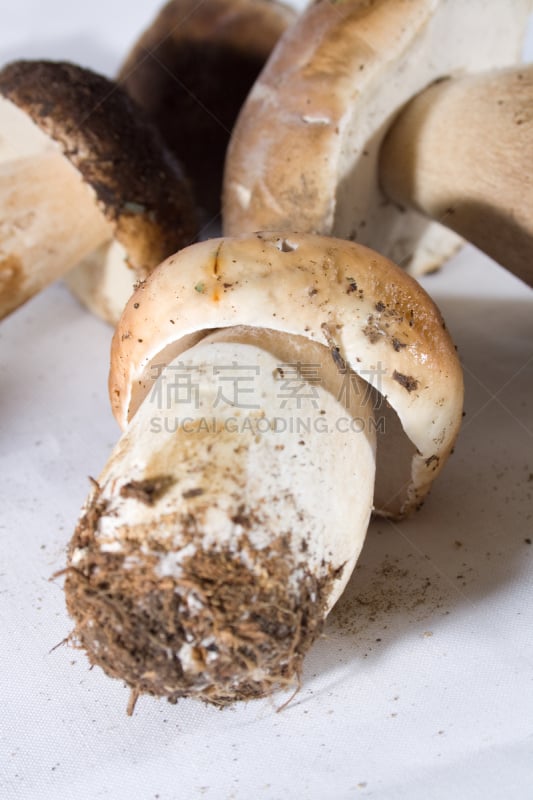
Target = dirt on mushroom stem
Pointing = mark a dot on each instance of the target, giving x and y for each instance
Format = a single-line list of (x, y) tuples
[(228, 628)]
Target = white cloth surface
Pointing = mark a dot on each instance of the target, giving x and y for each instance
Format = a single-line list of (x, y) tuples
[(422, 686)]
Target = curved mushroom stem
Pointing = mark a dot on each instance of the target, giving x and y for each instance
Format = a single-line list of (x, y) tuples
[(461, 153), (228, 520), (49, 221)]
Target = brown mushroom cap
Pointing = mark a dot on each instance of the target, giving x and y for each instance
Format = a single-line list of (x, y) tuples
[(304, 155), (191, 71), (139, 186), (374, 317)]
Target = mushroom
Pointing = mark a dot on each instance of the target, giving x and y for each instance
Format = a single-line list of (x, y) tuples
[(305, 151), (81, 170), (228, 520), (431, 161), (191, 71)]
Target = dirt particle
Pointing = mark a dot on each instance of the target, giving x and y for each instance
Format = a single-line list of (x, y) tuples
[(372, 330), (409, 383), (147, 491), (340, 363), (245, 518), (352, 286), (397, 345), (190, 493)]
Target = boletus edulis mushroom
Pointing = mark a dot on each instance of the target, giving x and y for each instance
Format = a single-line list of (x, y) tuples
[(273, 391), (82, 171), (305, 153)]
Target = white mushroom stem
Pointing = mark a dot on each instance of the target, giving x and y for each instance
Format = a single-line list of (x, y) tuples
[(461, 153), (282, 488), (298, 458), (49, 218)]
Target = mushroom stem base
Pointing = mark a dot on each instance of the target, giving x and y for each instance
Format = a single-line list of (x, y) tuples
[(213, 547)]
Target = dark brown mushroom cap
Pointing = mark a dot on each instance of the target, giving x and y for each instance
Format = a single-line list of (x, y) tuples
[(139, 185), (191, 72)]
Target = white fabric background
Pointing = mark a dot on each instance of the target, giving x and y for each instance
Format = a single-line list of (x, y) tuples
[(440, 707)]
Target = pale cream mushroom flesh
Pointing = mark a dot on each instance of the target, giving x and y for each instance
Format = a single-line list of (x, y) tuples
[(305, 151), (82, 171), (220, 534)]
